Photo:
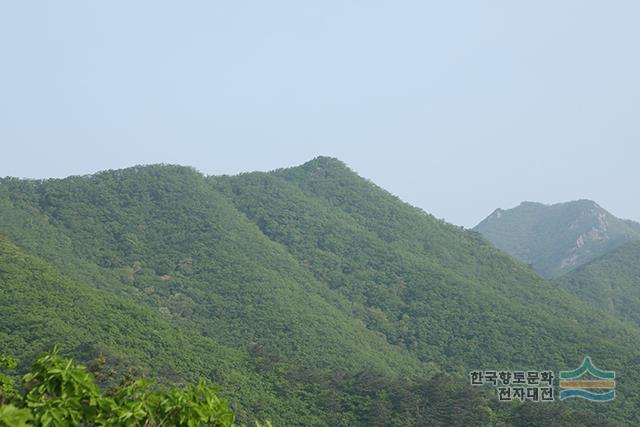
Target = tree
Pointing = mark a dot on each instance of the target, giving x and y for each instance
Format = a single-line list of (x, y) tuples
[(57, 392)]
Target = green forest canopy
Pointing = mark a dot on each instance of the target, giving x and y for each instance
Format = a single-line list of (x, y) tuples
[(309, 295)]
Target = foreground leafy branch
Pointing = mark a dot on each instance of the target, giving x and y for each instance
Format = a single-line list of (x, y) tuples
[(57, 392)]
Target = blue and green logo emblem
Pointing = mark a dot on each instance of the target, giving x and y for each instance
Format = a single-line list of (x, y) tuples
[(599, 386)]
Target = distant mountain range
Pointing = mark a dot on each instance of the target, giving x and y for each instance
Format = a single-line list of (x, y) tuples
[(585, 249), (311, 295), (555, 239)]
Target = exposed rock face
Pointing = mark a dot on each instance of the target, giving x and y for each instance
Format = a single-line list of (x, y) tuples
[(557, 238)]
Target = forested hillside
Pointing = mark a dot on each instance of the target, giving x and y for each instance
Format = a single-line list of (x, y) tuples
[(171, 243), (610, 283), (312, 296), (555, 239), (42, 308)]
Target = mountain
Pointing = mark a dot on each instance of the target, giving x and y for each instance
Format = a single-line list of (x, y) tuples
[(41, 308), (165, 240), (440, 291), (310, 294), (557, 238), (610, 283)]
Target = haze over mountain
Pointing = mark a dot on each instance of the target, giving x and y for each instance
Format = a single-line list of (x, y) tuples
[(310, 294), (557, 238)]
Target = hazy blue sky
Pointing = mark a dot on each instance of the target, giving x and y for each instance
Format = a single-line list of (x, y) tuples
[(458, 107)]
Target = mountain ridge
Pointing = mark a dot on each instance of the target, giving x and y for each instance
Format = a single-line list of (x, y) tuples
[(325, 284), (559, 237)]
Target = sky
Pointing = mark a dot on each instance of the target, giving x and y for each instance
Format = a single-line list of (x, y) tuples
[(458, 107)]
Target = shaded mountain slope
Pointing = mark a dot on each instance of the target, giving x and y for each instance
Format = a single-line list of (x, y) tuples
[(610, 283), (555, 239)]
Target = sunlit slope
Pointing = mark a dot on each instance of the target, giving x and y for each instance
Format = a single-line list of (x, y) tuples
[(41, 308), (343, 300), (442, 292)]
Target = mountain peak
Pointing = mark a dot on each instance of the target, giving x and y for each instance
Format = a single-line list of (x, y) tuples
[(321, 167), (559, 237), (530, 203), (325, 162), (585, 203)]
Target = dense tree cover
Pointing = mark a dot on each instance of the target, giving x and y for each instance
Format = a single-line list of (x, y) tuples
[(228, 286), (441, 292), (555, 239), (610, 283), (309, 295), (42, 308), (58, 392)]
